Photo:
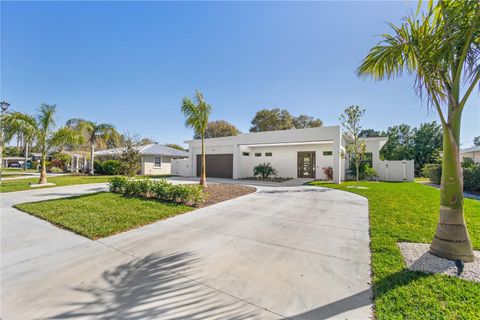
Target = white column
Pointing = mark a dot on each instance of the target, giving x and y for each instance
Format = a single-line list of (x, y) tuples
[(337, 159)]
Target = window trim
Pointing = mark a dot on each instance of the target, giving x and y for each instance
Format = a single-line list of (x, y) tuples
[(155, 162)]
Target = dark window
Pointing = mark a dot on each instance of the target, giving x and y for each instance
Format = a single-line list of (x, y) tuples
[(246, 154), (257, 154), (327, 153), (157, 162), (367, 159), (268, 154)]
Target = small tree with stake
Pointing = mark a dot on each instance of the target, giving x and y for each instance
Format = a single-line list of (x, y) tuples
[(355, 146)]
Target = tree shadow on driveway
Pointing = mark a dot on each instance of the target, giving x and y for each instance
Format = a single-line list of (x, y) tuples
[(155, 287)]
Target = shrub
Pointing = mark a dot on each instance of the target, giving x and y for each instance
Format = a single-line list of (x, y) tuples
[(434, 172), (111, 167), (265, 170), (158, 189), (98, 166), (471, 178), (328, 171), (62, 159), (468, 163), (369, 173), (56, 170)]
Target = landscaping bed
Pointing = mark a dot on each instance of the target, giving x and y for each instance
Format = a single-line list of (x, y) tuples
[(222, 192), (408, 212), (269, 179)]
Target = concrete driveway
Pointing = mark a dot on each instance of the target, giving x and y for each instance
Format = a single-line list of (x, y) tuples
[(282, 252)]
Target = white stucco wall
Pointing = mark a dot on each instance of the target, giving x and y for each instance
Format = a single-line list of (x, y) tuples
[(475, 155), (148, 165), (284, 159)]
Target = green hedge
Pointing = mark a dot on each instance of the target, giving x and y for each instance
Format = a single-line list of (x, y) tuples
[(434, 172), (107, 167), (471, 175), (471, 178), (159, 189)]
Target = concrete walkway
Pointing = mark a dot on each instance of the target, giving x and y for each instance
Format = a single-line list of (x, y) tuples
[(282, 252)]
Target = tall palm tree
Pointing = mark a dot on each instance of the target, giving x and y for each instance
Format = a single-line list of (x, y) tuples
[(441, 49), (196, 116), (95, 134)]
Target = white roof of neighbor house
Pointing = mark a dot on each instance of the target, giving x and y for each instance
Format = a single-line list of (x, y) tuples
[(149, 149), (471, 149)]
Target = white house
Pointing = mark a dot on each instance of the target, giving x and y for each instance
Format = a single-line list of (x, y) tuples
[(296, 153), (155, 158), (473, 153)]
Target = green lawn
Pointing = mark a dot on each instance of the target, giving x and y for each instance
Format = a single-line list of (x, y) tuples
[(102, 214), (24, 184), (409, 212)]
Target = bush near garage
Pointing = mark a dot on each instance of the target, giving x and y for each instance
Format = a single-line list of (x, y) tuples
[(162, 190)]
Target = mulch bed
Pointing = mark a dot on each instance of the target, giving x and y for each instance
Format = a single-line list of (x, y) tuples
[(222, 192)]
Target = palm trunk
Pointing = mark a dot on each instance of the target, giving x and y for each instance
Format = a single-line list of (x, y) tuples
[(203, 175), (43, 173), (25, 167), (1, 150), (451, 239), (92, 159)]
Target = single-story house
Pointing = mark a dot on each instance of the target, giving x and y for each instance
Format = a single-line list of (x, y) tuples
[(155, 158), (295, 153), (473, 153)]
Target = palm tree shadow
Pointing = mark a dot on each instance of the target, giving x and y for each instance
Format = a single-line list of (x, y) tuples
[(151, 288), (363, 298)]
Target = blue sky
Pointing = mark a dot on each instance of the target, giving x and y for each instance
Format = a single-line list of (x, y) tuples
[(131, 63)]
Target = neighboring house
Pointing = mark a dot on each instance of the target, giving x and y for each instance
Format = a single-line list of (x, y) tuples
[(473, 153), (155, 158), (296, 153)]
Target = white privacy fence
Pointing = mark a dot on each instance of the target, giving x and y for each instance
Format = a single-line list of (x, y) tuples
[(180, 167), (401, 170)]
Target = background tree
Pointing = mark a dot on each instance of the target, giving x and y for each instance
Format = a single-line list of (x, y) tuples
[(175, 146), (281, 119), (370, 133), (219, 128), (305, 121), (399, 145), (440, 48), (129, 155), (356, 146), (145, 141), (476, 141), (96, 134), (196, 114), (427, 145), (272, 120)]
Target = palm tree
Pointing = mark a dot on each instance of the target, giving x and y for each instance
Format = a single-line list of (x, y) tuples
[(196, 114), (96, 135), (440, 48), (23, 126), (42, 128)]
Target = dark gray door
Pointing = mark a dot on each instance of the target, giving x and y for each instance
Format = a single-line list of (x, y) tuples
[(218, 165), (306, 164)]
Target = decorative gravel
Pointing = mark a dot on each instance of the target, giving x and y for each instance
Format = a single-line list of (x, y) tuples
[(417, 258)]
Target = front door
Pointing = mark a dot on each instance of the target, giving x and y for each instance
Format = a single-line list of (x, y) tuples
[(306, 164)]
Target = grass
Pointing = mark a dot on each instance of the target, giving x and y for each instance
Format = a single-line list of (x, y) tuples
[(422, 179), (409, 212), (24, 184), (102, 214)]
